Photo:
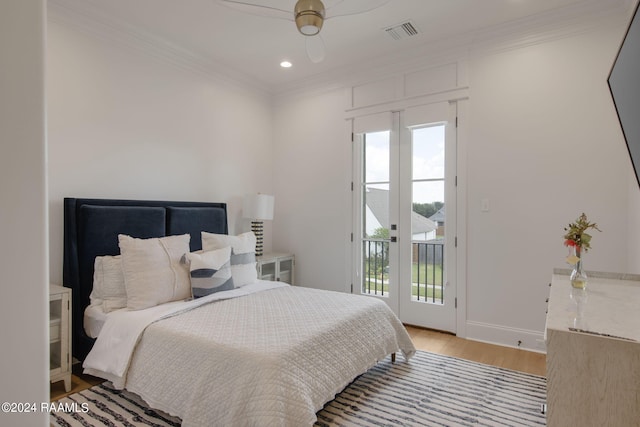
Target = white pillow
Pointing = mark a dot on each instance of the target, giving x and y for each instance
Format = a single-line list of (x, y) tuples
[(152, 271), (243, 254), (210, 271), (108, 283)]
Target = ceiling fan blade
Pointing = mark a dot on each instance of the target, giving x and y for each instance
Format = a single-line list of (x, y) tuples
[(258, 9), (315, 48), (353, 7)]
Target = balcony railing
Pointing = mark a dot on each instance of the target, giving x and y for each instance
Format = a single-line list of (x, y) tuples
[(375, 253), (427, 269), (427, 274)]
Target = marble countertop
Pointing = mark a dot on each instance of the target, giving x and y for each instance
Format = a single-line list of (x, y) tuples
[(609, 306)]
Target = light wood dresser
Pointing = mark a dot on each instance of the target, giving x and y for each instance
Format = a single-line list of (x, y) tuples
[(593, 351)]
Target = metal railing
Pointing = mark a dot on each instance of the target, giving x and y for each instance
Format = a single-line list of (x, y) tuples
[(427, 269), (375, 277)]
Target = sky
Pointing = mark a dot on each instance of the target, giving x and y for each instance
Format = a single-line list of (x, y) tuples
[(427, 162)]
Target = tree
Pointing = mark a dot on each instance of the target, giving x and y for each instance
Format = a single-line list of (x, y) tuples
[(427, 209), (377, 256), (380, 233)]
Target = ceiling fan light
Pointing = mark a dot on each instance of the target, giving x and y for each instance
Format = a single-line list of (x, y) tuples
[(309, 29), (309, 15)]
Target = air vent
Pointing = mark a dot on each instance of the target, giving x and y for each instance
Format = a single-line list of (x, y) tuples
[(402, 31)]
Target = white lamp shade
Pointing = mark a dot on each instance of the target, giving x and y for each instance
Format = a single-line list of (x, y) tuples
[(258, 206)]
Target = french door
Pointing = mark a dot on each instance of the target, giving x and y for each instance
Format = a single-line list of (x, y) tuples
[(404, 203)]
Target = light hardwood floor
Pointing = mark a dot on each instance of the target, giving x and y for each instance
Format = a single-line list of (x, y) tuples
[(79, 382), (424, 339), (490, 354)]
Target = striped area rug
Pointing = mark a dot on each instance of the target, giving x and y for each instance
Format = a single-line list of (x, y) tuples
[(436, 390), (430, 390)]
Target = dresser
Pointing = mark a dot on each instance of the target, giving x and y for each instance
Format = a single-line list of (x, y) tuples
[(60, 335), (593, 351)]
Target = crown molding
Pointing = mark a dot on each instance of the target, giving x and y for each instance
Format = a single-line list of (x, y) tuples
[(568, 21), (578, 18), (90, 22)]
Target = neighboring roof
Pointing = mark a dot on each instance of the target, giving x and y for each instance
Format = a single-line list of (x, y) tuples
[(438, 216), (420, 224), (378, 202)]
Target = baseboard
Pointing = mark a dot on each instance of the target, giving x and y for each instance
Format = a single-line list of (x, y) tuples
[(503, 335)]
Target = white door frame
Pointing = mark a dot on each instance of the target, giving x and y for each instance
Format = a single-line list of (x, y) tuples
[(434, 316), (400, 140), (356, 187)]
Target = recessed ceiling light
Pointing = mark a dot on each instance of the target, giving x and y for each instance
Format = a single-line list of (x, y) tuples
[(286, 64)]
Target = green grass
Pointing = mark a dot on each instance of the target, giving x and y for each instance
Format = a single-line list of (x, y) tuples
[(414, 291), (430, 290), (426, 272)]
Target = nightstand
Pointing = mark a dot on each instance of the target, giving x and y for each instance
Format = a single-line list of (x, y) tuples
[(60, 335), (276, 266)]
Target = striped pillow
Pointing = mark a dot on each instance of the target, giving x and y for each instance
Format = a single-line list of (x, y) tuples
[(243, 254), (210, 272)]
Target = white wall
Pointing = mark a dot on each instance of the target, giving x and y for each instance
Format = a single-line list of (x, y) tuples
[(123, 124), (312, 159), (543, 146), (24, 288), (633, 244)]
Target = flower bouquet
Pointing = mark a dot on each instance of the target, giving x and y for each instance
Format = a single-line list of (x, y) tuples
[(577, 239)]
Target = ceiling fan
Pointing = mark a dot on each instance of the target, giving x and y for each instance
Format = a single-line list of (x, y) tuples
[(309, 15)]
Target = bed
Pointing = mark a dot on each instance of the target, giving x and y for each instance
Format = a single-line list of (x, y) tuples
[(263, 353)]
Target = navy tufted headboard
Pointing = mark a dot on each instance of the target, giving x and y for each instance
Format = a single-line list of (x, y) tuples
[(91, 228)]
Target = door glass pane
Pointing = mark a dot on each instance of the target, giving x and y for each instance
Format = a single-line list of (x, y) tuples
[(376, 157), (428, 152), (428, 215), (375, 208)]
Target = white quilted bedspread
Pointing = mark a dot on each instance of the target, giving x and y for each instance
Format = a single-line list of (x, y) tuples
[(272, 358)]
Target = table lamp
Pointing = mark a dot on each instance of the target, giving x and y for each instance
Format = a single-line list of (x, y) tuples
[(258, 208)]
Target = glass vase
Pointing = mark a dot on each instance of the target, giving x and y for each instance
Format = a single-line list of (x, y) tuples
[(578, 276)]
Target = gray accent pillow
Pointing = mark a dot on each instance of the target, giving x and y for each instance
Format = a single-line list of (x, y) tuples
[(210, 271), (243, 254)]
